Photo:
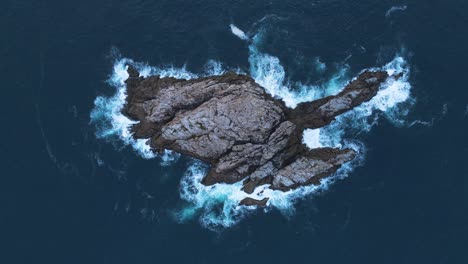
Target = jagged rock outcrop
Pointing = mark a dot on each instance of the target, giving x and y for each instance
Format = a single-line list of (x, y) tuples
[(244, 133)]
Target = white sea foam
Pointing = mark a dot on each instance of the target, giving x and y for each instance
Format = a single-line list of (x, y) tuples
[(213, 67), (422, 123), (311, 138), (169, 157), (320, 66), (267, 71), (107, 113), (218, 205), (238, 32), (394, 9), (387, 102)]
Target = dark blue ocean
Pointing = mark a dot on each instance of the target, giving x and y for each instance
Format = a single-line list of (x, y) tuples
[(73, 189)]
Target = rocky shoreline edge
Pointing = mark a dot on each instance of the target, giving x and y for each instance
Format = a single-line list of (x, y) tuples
[(242, 132)]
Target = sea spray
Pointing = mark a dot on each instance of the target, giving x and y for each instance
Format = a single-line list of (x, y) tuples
[(267, 71), (108, 117)]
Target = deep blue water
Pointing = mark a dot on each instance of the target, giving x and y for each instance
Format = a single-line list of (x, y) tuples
[(407, 204)]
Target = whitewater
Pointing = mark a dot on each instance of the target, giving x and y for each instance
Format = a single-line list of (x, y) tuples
[(217, 206)]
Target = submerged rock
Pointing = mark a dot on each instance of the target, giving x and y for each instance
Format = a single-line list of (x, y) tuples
[(230, 122)]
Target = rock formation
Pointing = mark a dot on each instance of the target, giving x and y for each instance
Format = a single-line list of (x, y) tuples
[(230, 122)]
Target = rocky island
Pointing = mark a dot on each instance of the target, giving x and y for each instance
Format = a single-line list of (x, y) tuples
[(245, 134)]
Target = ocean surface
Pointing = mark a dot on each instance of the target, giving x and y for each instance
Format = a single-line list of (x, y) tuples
[(76, 188)]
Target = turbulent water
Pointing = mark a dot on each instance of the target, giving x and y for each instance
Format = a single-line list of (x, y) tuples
[(217, 205)]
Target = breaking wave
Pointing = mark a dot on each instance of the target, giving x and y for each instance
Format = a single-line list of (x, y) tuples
[(111, 124), (269, 73), (217, 206)]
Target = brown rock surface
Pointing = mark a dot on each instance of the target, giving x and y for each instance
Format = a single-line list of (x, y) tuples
[(244, 133)]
